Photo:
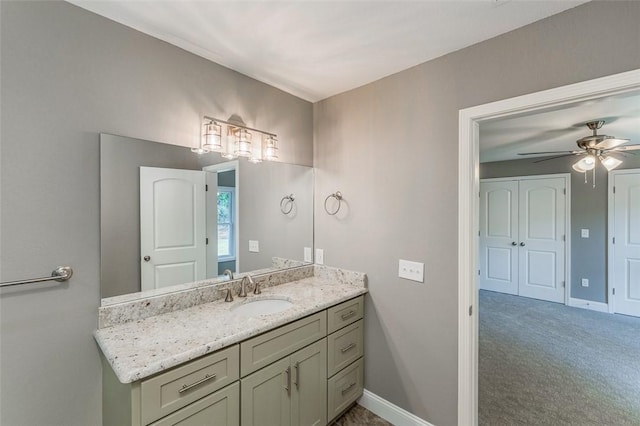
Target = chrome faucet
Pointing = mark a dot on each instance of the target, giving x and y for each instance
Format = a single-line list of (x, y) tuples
[(228, 273), (243, 285)]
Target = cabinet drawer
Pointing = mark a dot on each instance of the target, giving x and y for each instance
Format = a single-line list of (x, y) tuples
[(344, 347), (218, 409), (345, 313), (344, 388), (169, 391), (271, 346)]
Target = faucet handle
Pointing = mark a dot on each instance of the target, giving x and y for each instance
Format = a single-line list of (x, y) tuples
[(257, 289)]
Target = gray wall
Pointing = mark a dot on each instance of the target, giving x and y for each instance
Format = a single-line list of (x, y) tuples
[(261, 190), (391, 148), (588, 210), (68, 75)]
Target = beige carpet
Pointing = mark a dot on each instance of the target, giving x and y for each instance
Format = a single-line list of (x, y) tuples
[(544, 363)]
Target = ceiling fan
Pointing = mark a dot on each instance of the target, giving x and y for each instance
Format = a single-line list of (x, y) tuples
[(592, 147)]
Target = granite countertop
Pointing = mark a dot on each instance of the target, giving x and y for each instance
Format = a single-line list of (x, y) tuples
[(139, 349)]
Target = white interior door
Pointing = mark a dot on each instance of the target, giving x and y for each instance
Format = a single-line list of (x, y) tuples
[(626, 249), (172, 227), (498, 237), (542, 210)]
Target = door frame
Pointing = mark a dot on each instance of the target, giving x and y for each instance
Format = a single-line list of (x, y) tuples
[(567, 220), (468, 202), (225, 167), (610, 231)]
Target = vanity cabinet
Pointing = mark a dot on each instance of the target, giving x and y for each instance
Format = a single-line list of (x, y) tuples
[(289, 392), (304, 373), (180, 391)]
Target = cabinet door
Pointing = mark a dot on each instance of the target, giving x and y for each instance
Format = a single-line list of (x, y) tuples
[(266, 396), (309, 385), (218, 409)]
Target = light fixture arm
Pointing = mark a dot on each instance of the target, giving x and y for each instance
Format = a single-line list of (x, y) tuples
[(239, 126)]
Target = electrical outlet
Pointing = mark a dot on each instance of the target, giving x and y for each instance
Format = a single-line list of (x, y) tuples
[(411, 270), (585, 282), (307, 255), (254, 246), (584, 233), (319, 256)]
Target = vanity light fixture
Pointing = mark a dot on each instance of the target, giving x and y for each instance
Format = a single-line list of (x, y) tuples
[(242, 147), (212, 136), (233, 140), (270, 149)]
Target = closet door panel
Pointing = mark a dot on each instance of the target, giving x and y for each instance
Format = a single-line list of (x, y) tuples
[(498, 256), (542, 238)]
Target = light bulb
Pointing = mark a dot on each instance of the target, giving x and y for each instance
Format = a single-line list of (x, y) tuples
[(587, 163), (610, 162)]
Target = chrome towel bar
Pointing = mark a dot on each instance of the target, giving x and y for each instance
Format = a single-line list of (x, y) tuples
[(60, 274)]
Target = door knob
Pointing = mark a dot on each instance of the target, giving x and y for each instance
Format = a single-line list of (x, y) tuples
[(513, 243), (147, 258), (522, 244)]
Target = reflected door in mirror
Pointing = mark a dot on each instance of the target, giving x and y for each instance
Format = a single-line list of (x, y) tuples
[(172, 227)]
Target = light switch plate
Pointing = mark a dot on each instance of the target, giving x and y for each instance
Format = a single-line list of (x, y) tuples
[(254, 246), (411, 270), (320, 256), (584, 233), (585, 282), (307, 254)]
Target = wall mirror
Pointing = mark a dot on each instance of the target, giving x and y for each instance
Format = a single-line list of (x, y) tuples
[(170, 217)]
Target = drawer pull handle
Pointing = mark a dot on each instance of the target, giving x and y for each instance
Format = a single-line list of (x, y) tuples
[(287, 385), (296, 377), (348, 314), (348, 347), (348, 388), (206, 378)]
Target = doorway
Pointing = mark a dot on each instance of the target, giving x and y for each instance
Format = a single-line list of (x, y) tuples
[(468, 207)]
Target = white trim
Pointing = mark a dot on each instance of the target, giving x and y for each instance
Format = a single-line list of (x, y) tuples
[(588, 304), (469, 120), (611, 233), (390, 412)]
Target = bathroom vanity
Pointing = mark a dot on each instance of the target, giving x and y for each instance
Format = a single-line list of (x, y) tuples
[(224, 363)]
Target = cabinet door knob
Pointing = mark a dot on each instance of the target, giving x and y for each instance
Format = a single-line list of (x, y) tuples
[(522, 244), (147, 258), (513, 243)]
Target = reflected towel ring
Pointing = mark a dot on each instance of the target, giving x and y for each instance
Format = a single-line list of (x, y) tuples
[(287, 200), (338, 196)]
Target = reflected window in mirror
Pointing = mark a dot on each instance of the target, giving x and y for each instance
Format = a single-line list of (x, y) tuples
[(226, 226)]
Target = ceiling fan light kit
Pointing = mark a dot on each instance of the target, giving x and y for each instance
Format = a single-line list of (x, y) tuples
[(592, 147)]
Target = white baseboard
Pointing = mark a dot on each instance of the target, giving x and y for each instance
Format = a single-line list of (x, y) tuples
[(588, 304), (390, 412)]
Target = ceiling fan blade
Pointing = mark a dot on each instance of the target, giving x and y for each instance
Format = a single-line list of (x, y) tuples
[(549, 152), (625, 148), (553, 158), (610, 143)]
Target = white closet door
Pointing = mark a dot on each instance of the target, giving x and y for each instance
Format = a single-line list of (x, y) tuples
[(542, 239), (172, 227), (498, 255), (626, 250)]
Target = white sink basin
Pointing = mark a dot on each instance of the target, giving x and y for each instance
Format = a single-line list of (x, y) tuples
[(254, 308)]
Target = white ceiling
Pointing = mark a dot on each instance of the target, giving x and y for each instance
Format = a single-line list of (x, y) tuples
[(559, 129), (316, 49)]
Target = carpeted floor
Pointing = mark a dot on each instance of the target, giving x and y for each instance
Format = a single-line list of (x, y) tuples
[(544, 363)]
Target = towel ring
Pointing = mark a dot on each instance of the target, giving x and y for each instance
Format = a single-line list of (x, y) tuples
[(338, 196), (287, 200)]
